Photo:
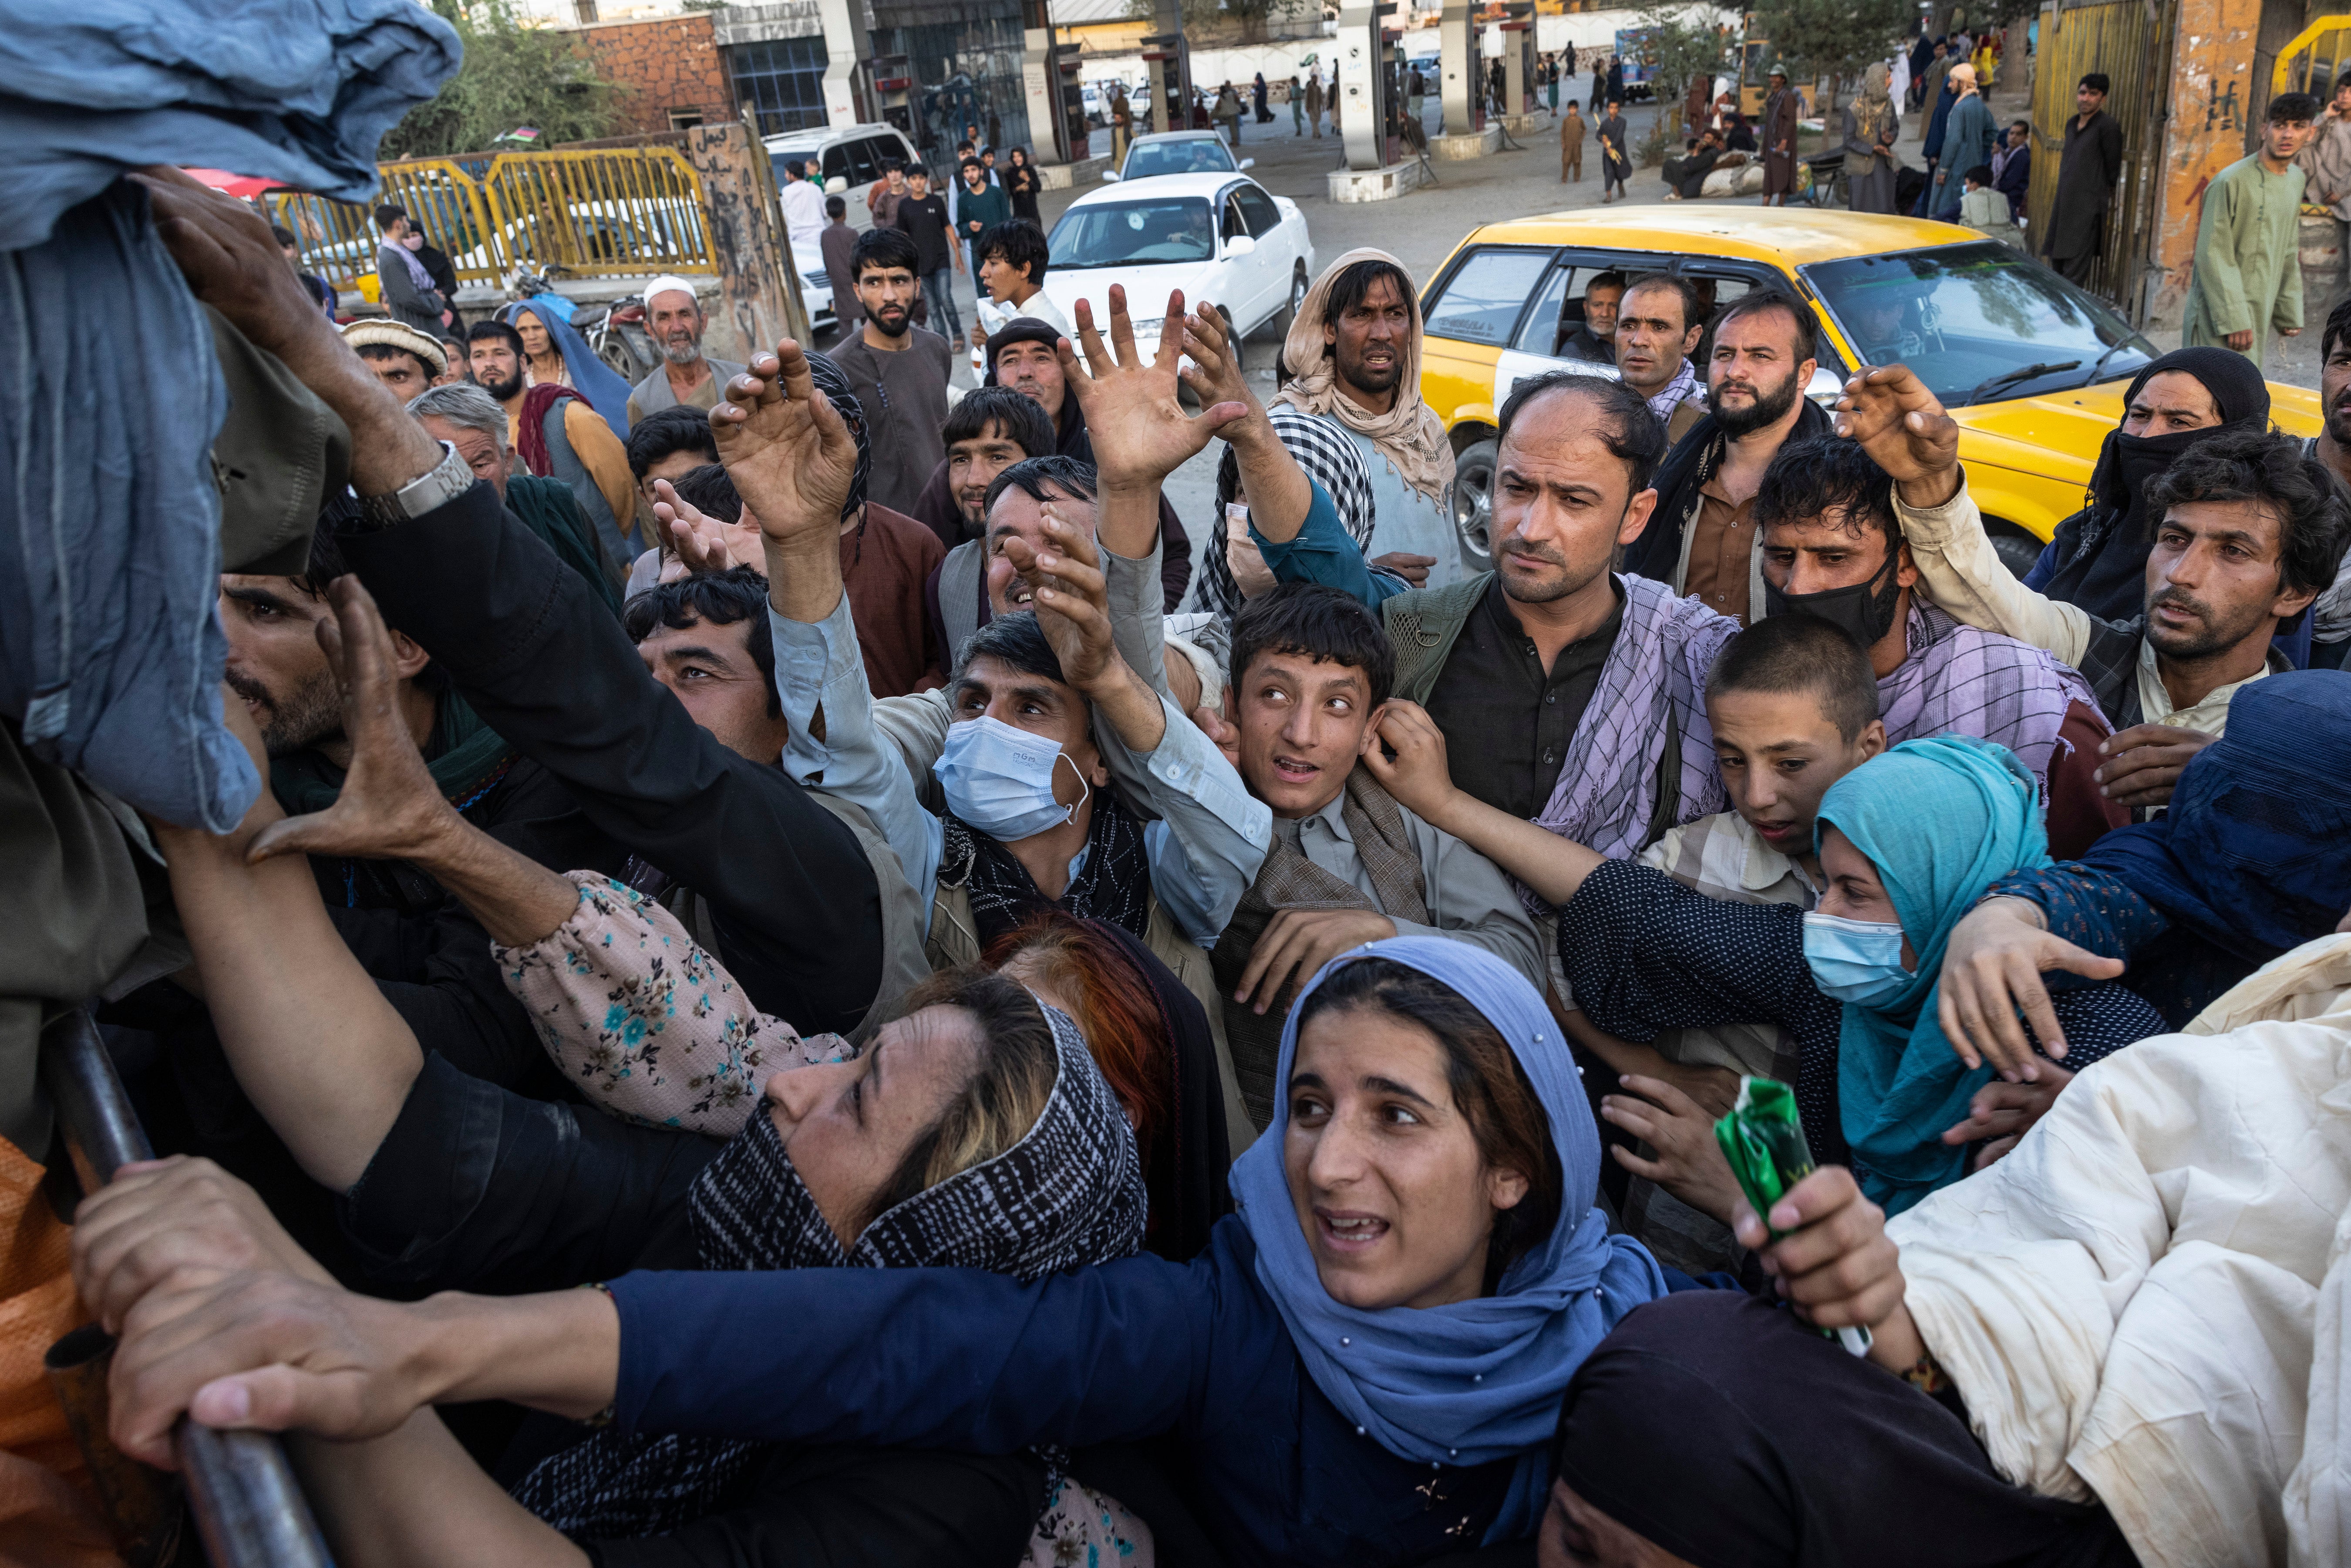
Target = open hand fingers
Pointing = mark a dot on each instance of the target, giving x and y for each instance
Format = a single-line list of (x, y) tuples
[(1663, 1096), (1100, 361), (1634, 1116), (1272, 961), (1122, 329)]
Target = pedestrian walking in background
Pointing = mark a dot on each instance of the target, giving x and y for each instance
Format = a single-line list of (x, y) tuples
[(1938, 65), (2326, 171), (1570, 144), (2248, 277), (1227, 113), (1931, 148), (1871, 126), (1782, 109), (1969, 137), (1697, 104), (1616, 80), (1297, 108), (1314, 102), (1553, 84), (2087, 173), (1599, 89), (2011, 169), (923, 217), (1614, 167), (980, 206), (1264, 115), (1121, 122), (1922, 53), (1416, 96), (837, 240)]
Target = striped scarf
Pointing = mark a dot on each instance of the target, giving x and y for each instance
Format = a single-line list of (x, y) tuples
[(1959, 681)]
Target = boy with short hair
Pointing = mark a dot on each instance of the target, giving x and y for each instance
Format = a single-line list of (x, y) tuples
[(837, 242), (923, 217), (1011, 257), (1311, 670)]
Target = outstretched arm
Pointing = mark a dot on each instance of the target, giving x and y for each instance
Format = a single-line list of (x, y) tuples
[(1419, 776)]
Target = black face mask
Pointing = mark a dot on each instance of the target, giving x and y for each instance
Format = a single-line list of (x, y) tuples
[(1864, 611), (2140, 461)]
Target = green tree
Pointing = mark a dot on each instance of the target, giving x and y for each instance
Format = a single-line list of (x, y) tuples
[(512, 76), (1835, 41), (1208, 22)]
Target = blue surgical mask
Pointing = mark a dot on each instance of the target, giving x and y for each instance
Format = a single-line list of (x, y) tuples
[(1856, 961), (999, 780)]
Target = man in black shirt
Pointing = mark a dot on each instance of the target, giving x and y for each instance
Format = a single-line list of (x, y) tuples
[(923, 216)]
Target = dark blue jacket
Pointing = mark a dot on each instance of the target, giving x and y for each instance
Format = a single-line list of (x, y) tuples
[(961, 1359)]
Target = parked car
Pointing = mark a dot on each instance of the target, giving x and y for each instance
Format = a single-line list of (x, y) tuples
[(850, 155), (1175, 152), (2032, 367), (1220, 237)]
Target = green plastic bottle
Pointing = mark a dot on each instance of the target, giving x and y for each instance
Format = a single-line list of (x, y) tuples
[(1763, 1139)]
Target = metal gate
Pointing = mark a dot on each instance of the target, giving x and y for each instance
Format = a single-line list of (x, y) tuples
[(2131, 42)]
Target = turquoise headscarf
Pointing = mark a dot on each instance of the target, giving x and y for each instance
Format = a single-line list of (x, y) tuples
[(1941, 820)]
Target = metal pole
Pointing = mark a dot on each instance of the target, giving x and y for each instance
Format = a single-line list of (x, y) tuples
[(250, 1510)]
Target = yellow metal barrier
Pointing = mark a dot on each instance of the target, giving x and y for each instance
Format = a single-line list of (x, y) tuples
[(2317, 56), (609, 213)]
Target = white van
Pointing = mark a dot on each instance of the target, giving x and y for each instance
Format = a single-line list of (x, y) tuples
[(850, 155)]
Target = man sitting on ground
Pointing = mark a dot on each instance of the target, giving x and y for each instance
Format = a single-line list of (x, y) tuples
[(2247, 532)]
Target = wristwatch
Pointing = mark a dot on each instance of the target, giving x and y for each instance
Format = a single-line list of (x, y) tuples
[(447, 479)]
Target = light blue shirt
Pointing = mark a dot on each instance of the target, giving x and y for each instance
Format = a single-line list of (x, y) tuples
[(1204, 849)]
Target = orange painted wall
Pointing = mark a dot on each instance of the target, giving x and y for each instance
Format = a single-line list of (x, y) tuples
[(671, 62), (2213, 89)]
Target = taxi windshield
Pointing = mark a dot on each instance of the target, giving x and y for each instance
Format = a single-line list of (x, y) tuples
[(1133, 234), (1977, 322)]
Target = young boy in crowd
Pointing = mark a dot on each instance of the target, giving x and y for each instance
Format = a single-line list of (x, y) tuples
[(1311, 669)]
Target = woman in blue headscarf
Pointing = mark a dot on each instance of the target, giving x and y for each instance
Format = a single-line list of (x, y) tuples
[(553, 351), (1365, 1366), (1908, 844)]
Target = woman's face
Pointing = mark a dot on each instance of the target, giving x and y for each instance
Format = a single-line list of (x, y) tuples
[(848, 1125), (1853, 891), (534, 335), (1396, 1200)]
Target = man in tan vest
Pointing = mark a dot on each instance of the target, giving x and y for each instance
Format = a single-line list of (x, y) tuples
[(1570, 144)]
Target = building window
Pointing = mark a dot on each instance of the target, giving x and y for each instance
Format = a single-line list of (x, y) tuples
[(685, 119), (782, 79)]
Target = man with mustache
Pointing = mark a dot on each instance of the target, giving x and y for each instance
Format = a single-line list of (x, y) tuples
[(898, 374), (2330, 618), (2248, 530), (686, 379), (1656, 326), (1701, 537)]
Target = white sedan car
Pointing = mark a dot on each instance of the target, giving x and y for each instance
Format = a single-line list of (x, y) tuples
[(1216, 236)]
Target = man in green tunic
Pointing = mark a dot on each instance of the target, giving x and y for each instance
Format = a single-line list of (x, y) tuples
[(2248, 275)]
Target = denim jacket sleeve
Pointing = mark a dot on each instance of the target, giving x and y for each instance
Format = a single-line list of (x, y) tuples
[(1323, 552)]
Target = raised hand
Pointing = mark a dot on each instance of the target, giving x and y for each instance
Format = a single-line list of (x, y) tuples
[(1140, 431), (786, 448), (390, 808), (1991, 969), (1903, 427), (1072, 598), (1215, 375), (1419, 777), (700, 542)]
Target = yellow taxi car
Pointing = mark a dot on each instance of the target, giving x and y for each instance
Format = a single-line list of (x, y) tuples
[(2032, 366)]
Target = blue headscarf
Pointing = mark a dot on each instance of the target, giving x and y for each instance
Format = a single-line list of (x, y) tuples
[(1941, 820), (1476, 1381), (2254, 853), (591, 378)]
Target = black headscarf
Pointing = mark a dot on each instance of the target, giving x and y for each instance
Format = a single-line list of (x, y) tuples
[(2102, 549)]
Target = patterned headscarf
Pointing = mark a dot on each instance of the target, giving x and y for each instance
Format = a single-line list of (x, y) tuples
[(1409, 435), (1069, 1194), (1958, 680)]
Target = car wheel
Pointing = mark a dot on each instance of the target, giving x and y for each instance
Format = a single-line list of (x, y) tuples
[(1289, 315), (2017, 549), (1473, 502)]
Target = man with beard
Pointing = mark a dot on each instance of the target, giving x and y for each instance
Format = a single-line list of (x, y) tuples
[(1656, 326), (1595, 339), (1701, 539), (673, 315), (2330, 618), (2247, 532), (574, 445), (899, 374), (1352, 415)]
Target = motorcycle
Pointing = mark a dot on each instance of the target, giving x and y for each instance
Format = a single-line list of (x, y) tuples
[(615, 331)]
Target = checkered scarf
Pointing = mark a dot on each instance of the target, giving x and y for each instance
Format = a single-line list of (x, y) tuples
[(1327, 456), (1656, 670), (1069, 1194), (1959, 681)]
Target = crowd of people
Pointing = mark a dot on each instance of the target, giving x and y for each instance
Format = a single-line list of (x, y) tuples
[(792, 989)]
